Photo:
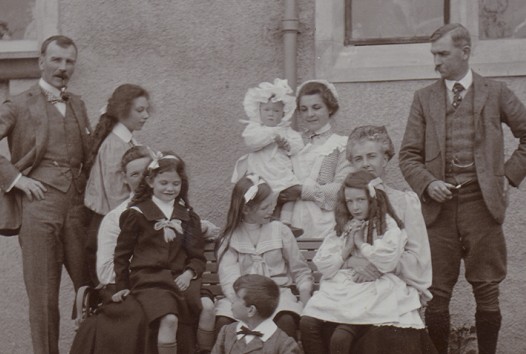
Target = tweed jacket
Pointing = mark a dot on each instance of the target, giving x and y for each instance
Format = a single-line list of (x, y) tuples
[(23, 120), (422, 154), (278, 343)]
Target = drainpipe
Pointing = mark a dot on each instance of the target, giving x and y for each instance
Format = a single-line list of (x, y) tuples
[(290, 33)]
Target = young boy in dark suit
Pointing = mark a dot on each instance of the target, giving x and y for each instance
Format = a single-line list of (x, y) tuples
[(257, 299)]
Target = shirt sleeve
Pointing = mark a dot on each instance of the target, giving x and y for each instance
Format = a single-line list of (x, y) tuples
[(298, 267), (210, 230), (106, 188), (228, 270), (106, 241), (415, 262), (257, 136), (385, 252), (328, 258), (323, 192)]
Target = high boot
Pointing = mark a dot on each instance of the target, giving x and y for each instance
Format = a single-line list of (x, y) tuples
[(437, 323), (488, 326)]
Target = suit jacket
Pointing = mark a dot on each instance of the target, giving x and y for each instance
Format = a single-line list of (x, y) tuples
[(422, 155), (23, 120), (278, 343)]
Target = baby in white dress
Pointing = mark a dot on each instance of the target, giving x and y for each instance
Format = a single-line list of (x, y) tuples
[(270, 139)]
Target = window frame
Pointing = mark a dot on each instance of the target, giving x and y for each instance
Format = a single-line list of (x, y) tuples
[(378, 41), (390, 62), (19, 58)]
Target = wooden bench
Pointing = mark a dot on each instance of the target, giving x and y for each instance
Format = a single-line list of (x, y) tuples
[(87, 301), (308, 248)]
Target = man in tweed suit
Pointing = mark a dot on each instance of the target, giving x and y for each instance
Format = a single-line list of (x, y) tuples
[(48, 137), (452, 155)]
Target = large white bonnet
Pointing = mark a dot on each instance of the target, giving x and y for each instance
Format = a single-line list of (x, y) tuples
[(279, 91)]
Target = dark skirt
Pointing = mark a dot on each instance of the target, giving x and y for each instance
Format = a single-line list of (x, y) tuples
[(118, 328), (156, 291), (122, 328), (394, 340)]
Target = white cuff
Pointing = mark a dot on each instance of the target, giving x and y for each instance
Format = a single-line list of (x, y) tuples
[(14, 182)]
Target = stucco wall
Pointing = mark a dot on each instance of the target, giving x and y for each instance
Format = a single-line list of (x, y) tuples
[(197, 58)]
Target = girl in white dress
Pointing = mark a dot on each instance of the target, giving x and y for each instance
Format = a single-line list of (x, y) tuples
[(366, 226), (253, 243), (270, 139)]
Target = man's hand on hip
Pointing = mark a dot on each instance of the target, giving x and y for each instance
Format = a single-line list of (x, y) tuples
[(31, 187)]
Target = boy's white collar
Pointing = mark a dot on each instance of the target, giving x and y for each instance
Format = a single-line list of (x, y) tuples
[(267, 327)]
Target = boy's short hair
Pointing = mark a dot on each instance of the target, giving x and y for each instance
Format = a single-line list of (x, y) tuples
[(260, 291)]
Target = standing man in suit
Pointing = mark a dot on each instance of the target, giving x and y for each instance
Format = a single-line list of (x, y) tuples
[(452, 155), (48, 137)]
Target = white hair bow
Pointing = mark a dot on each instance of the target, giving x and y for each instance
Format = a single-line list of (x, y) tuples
[(372, 185), (156, 156), (169, 226), (252, 191)]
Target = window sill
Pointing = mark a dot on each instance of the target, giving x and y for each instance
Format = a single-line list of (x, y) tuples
[(19, 60)]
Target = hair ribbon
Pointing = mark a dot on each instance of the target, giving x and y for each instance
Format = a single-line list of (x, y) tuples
[(372, 185), (156, 156), (253, 190)]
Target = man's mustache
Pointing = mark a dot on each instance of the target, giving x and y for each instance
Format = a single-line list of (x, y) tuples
[(62, 75)]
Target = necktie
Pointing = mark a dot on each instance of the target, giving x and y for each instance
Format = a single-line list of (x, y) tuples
[(248, 332), (457, 97)]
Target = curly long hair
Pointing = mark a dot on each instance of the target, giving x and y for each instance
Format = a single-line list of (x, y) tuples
[(118, 108), (166, 164), (379, 206), (235, 211)]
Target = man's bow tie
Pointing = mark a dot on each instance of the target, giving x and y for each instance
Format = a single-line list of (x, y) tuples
[(51, 98), (248, 332)]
